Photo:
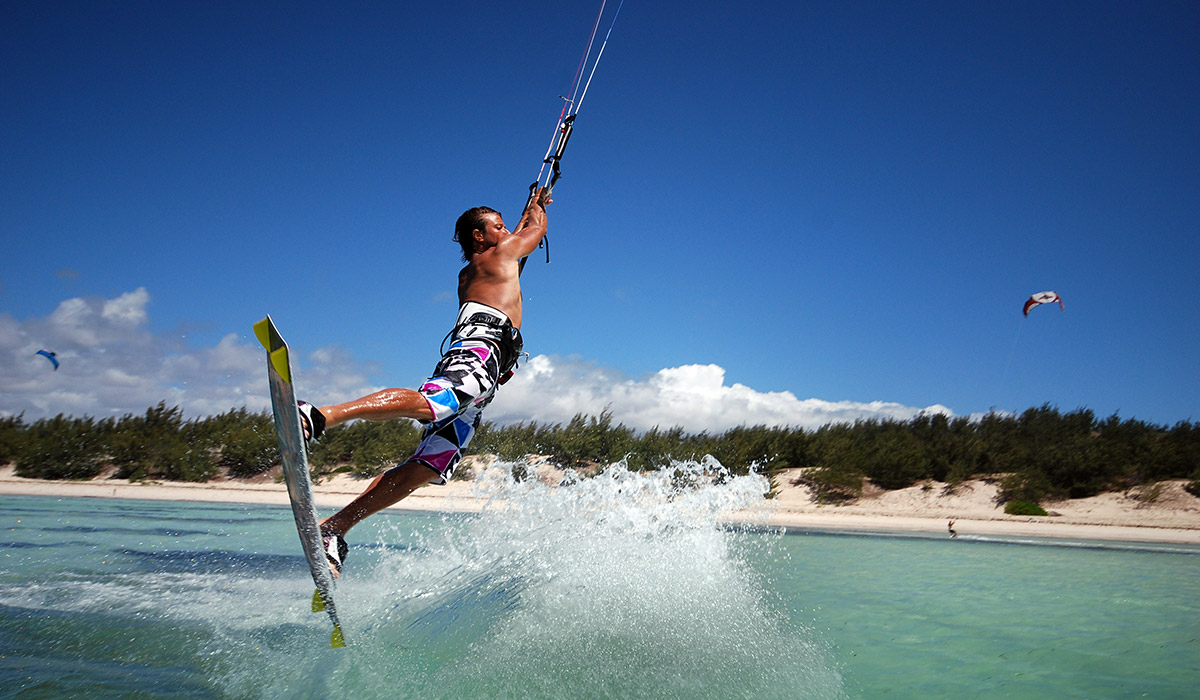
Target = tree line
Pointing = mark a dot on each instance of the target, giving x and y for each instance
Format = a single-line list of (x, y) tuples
[(1042, 454)]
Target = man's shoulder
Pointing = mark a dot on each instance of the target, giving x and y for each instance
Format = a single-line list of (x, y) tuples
[(494, 260)]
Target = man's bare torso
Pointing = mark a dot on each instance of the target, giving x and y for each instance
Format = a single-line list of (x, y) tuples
[(493, 275), (493, 280)]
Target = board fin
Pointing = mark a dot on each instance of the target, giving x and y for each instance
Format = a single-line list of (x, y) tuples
[(336, 641), (318, 601)]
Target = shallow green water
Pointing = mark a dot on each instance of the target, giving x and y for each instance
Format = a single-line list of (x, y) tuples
[(619, 587), (914, 618)]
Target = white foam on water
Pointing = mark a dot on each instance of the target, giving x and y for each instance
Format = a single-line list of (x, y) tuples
[(231, 603), (621, 585), (626, 584)]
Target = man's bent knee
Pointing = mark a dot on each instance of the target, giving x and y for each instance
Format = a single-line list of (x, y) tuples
[(413, 472)]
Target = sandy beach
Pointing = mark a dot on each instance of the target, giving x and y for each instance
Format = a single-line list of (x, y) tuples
[(1172, 516)]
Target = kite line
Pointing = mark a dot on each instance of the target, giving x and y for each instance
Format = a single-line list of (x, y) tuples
[(551, 169)]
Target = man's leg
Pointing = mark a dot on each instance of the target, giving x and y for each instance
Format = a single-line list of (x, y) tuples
[(388, 488), (396, 483), (388, 404), (441, 442)]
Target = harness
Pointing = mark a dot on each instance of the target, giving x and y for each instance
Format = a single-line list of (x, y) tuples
[(495, 330)]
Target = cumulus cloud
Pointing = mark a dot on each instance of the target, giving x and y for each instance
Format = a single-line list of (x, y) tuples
[(113, 364), (694, 397)]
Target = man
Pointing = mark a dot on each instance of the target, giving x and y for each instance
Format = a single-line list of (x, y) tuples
[(485, 345)]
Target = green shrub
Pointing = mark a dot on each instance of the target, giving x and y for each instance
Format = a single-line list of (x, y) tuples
[(1193, 486), (592, 439), (249, 450), (241, 442), (159, 445), (12, 432), (62, 448), (1040, 455), (1030, 486), (1024, 508), (369, 448), (833, 484), (1147, 493)]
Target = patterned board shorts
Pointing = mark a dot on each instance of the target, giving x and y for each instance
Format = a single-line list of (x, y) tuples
[(463, 383)]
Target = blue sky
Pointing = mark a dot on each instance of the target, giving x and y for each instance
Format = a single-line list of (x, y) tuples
[(781, 213)]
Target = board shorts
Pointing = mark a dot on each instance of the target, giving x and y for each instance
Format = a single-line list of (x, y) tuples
[(483, 351)]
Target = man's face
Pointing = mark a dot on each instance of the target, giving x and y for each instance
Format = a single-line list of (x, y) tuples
[(493, 231)]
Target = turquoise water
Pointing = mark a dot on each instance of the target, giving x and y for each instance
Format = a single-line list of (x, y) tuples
[(622, 586)]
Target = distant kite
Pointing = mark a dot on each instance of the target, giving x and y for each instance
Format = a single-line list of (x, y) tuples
[(49, 356), (1043, 298)]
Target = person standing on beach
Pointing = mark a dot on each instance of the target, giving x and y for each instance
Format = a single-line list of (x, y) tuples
[(485, 346)]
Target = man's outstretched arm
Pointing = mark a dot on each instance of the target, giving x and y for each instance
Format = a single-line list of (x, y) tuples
[(531, 228)]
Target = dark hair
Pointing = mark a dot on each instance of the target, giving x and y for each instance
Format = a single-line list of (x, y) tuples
[(470, 220)]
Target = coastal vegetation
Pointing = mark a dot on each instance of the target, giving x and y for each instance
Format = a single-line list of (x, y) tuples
[(1040, 455), (1024, 508)]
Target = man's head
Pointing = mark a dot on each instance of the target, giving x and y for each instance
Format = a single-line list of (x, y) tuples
[(472, 220)]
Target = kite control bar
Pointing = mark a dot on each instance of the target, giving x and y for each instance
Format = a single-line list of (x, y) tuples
[(564, 133)]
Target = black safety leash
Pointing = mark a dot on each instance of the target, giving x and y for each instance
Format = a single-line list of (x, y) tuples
[(566, 123)]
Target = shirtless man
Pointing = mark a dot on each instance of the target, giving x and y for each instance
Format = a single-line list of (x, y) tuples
[(483, 352)]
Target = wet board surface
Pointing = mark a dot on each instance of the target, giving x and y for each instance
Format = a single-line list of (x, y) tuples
[(295, 469)]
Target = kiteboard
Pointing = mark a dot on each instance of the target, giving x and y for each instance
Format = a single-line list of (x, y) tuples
[(295, 470)]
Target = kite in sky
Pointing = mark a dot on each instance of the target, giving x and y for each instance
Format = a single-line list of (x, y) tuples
[(1043, 298), (49, 356)]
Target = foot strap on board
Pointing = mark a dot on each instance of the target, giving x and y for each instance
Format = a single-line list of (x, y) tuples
[(336, 550), (313, 420)]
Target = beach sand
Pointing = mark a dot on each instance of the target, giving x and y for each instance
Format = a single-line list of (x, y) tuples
[(1171, 516)]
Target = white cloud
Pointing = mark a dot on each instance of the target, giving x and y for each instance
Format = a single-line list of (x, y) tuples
[(694, 397), (127, 310), (113, 364)]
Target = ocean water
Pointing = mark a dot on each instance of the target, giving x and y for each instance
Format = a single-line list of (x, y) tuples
[(623, 586)]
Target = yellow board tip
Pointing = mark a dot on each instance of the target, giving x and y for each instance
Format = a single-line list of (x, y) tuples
[(337, 641), (279, 358), (318, 602), (262, 333)]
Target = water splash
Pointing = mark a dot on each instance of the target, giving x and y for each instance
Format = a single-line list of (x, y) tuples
[(621, 585)]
